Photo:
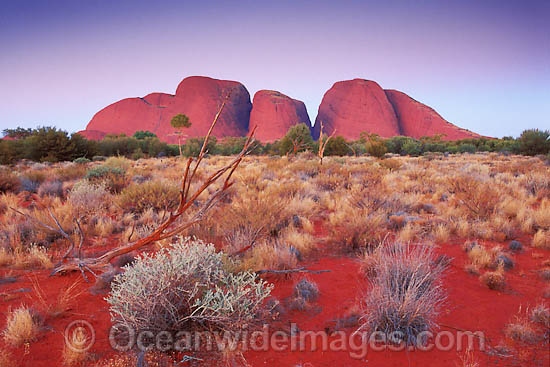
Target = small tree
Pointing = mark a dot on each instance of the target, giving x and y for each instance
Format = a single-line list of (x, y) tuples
[(297, 138), (180, 122), (534, 141)]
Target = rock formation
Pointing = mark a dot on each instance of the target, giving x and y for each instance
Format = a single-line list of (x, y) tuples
[(348, 108), (274, 113)]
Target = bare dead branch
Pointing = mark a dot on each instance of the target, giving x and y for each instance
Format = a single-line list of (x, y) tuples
[(323, 143)]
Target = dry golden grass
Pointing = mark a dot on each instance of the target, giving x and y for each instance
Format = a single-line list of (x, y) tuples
[(6, 258), (441, 233), (469, 197), (21, 327), (467, 359), (409, 233), (541, 239), (77, 355), (34, 258), (7, 359), (494, 280), (63, 302), (542, 214), (480, 257), (301, 241), (273, 255), (510, 207)]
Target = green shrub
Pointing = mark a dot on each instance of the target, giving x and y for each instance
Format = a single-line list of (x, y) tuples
[(103, 171), (47, 144), (534, 141), (140, 135), (411, 147), (158, 195), (99, 158), (193, 146), (467, 148), (186, 287), (395, 144), (138, 154), (114, 178), (81, 160), (230, 146), (337, 145)]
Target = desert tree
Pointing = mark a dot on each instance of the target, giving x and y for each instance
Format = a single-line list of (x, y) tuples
[(180, 122), (298, 138), (534, 141)]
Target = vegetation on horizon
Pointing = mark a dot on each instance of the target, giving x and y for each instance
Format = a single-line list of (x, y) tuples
[(47, 144)]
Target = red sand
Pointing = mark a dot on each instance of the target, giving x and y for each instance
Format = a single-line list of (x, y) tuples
[(470, 306)]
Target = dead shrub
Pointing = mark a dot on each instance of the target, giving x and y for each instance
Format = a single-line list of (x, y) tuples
[(521, 330), (307, 290), (541, 315)]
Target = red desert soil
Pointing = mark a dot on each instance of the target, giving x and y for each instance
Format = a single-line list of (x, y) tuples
[(470, 306)]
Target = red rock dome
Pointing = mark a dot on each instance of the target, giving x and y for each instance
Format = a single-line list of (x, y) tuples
[(274, 113), (353, 106), (197, 97), (349, 108), (417, 120)]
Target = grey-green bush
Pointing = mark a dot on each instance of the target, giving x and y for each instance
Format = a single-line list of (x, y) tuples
[(186, 287), (406, 292)]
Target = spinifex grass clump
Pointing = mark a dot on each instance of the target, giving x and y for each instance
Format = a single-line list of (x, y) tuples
[(186, 287), (406, 292)]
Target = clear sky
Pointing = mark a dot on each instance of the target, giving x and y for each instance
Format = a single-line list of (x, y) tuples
[(483, 65)]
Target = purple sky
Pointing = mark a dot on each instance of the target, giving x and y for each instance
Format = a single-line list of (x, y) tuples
[(483, 65)]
